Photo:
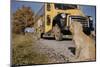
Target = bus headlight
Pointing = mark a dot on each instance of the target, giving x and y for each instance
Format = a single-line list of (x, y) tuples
[(90, 18), (63, 15)]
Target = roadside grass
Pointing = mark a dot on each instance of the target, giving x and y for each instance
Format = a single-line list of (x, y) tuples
[(23, 52)]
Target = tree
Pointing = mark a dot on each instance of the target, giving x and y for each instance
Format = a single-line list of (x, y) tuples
[(23, 17)]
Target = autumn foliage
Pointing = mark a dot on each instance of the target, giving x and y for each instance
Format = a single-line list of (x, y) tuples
[(22, 18)]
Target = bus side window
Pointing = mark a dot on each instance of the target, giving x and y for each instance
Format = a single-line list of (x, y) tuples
[(48, 7), (48, 20)]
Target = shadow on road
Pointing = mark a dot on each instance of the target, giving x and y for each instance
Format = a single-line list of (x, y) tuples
[(52, 38), (72, 49)]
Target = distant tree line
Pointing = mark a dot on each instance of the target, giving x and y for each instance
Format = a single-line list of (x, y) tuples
[(22, 18)]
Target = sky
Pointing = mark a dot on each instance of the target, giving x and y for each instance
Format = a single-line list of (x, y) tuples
[(18, 4), (86, 9)]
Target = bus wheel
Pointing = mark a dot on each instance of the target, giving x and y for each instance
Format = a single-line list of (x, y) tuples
[(57, 33), (42, 35)]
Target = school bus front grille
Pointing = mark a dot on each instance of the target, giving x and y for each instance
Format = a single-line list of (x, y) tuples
[(82, 20)]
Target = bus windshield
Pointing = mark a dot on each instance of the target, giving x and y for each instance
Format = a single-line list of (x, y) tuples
[(65, 6)]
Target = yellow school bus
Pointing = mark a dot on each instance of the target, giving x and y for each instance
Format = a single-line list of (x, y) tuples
[(54, 19)]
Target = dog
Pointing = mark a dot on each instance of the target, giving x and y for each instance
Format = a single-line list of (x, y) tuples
[(85, 46)]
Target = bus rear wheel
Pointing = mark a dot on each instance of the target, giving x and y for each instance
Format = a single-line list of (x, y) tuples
[(57, 33)]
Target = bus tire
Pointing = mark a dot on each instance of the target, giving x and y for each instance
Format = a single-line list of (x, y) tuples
[(57, 33)]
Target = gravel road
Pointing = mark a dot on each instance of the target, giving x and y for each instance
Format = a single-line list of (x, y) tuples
[(57, 51)]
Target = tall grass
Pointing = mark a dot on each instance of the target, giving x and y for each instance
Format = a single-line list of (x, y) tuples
[(23, 51)]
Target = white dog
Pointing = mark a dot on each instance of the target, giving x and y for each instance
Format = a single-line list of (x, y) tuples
[(85, 46)]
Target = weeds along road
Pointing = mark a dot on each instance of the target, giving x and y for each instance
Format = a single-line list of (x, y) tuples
[(57, 51)]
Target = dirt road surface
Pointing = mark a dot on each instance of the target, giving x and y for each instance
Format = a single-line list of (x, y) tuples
[(57, 51)]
